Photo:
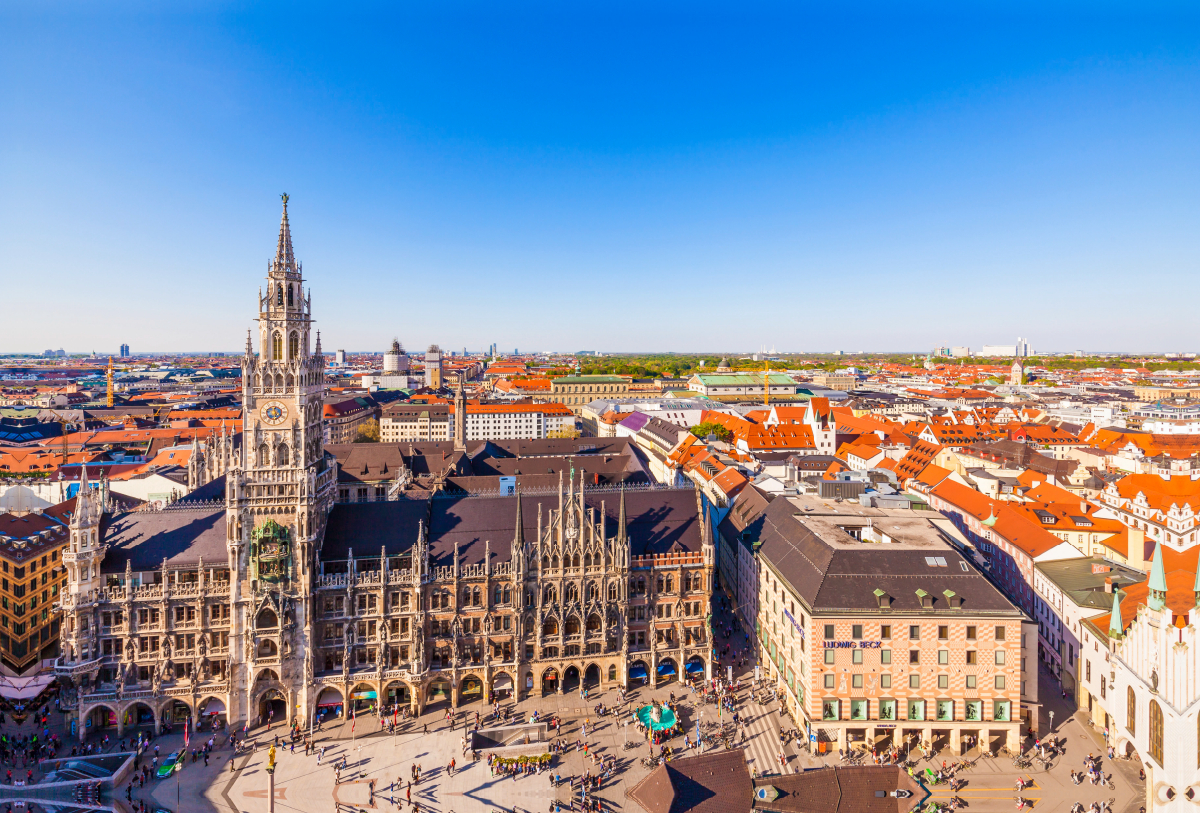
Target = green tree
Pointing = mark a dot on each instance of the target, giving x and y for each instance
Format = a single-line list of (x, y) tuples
[(703, 430), (368, 432)]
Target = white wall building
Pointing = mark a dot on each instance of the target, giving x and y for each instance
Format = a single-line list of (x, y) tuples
[(1139, 678)]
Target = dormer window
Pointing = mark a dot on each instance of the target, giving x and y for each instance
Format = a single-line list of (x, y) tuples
[(925, 598)]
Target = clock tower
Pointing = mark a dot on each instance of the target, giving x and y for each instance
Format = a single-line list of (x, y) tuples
[(278, 495)]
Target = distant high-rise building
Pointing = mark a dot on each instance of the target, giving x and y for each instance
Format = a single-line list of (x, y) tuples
[(124, 351), (395, 360), (339, 357)]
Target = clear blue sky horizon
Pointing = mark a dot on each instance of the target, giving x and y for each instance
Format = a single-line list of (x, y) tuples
[(612, 177)]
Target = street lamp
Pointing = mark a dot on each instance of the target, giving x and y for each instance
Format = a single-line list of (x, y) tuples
[(1052, 722)]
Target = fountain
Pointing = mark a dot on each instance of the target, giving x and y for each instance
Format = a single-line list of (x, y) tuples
[(657, 717)]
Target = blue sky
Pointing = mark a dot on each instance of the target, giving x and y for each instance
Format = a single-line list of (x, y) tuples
[(613, 176)]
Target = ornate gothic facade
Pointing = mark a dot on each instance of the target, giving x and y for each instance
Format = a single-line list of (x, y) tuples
[(247, 597)]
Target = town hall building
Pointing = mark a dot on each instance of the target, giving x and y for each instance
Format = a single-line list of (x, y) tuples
[(261, 596)]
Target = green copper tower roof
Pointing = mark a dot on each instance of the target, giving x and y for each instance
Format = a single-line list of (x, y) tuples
[(1116, 626)]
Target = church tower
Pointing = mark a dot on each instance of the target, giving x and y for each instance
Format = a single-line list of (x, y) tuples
[(278, 495)]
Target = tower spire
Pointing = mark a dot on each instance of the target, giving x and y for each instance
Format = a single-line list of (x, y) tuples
[(284, 257), (1116, 626), (621, 522), (519, 537)]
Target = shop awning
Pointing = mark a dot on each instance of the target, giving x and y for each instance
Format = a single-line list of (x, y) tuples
[(15, 688), (638, 671), (363, 696), (502, 681), (213, 706), (693, 667), (666, 668)]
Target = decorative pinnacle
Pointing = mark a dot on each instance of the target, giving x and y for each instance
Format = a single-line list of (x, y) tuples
[(284, 257)]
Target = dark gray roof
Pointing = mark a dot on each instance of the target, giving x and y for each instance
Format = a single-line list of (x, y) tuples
[(368, 526), (180, 535), (658, 520), (838, 577), (1076, 578)]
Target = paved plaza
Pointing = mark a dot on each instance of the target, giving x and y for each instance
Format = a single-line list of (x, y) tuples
[(303, 786), (372, 755)]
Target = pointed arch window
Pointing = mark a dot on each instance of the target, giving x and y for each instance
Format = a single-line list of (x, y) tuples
[(279, 294), (290, 301), (284, 455), (1156, 732), (277, 346), (1131, 711), (294, 345)]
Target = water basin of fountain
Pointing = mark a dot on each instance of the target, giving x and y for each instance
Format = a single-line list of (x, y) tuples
[(666, 719)]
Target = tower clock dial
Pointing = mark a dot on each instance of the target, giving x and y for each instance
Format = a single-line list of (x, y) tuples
[(273, 413)]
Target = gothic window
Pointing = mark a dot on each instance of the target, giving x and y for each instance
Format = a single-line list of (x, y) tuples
[(587, 560), (572, 592), (550, 596), (591, 592), (279, 383), (508, 595), (290, 296), (554, 562), (1131, 711), (545, 563), (294, 345), (287, 382), (277, 346), (475, 597), (283, 454), (496, 595), (279, 294), (612, 592), (466, 596), (593, 623), (550, 627), (572, 626), (575, 560), (263, 455), (1156, 732), (670, 584), (658, 584)]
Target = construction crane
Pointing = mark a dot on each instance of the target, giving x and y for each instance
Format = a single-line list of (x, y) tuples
[(109, 376)]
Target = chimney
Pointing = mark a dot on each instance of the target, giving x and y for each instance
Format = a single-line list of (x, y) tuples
[(1083, 507), (1108, 584)]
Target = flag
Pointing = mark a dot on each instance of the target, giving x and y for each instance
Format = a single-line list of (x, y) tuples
[(187, 733), (396, 715), (351, 719)]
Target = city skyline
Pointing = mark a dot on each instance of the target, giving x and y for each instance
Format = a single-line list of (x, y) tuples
[(552, 177)]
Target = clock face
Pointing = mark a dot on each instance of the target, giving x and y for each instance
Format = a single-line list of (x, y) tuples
[(273, 413)]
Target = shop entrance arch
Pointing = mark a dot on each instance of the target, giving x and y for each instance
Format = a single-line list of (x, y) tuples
[(272, 707)]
